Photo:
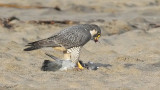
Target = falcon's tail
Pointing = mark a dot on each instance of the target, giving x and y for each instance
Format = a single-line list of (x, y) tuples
[(39, 44)]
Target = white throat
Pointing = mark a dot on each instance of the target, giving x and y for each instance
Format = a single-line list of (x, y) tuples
[(93, 32)]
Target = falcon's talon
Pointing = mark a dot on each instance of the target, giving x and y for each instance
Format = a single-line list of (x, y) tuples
[(79, 66)]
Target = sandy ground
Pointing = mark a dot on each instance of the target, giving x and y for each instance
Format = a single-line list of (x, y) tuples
[(129, 45)]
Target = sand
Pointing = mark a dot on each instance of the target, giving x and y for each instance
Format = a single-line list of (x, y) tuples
[(129, 45)]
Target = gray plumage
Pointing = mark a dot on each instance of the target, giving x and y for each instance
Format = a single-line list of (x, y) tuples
[(74, 36), (60, 64)]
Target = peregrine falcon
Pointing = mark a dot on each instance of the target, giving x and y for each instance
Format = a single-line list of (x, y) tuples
[(69, 40)]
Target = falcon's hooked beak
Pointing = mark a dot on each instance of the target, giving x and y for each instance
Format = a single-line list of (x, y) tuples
[(97, 37)]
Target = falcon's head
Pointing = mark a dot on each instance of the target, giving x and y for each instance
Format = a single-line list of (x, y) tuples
[(95, 32)]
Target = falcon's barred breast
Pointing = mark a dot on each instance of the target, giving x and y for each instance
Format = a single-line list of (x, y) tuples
[(70, 39)]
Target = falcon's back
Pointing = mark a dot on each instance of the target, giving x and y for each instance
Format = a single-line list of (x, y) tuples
[(74, 36)]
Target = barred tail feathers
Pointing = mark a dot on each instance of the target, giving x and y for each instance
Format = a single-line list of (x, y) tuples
[(39, 44)]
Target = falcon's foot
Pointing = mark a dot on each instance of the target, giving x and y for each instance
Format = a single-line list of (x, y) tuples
[(80, 66)]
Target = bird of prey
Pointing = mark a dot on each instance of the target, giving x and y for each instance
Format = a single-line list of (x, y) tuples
[(69, 40)]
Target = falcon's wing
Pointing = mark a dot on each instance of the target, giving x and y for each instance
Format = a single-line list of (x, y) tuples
[(72, 38)]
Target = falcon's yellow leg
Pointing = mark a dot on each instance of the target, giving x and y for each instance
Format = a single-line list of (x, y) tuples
[(60, 48), (79, 66), (67, 56)]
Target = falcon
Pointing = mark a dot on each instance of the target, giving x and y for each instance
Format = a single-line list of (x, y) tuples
[(69, 40)]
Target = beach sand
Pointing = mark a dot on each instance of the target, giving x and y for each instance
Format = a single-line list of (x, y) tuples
[(129, 45)]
